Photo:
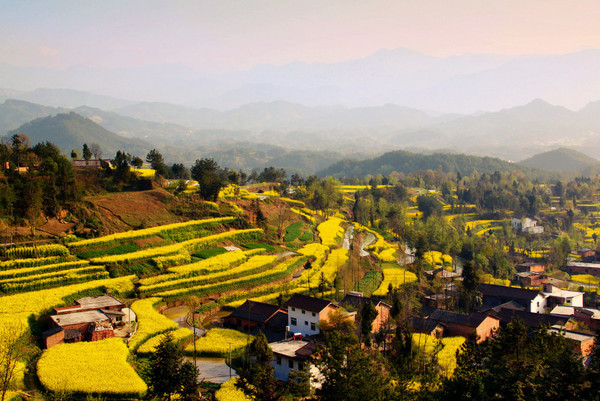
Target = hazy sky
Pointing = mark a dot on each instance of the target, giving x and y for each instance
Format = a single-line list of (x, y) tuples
[(221, 35)]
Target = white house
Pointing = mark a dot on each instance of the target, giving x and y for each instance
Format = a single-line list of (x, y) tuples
[(556, 296), (305, 313), (294, 355), (526, 224)]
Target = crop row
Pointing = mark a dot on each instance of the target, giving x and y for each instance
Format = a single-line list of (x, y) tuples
[(150, 232), (29, 262), (172, 260), (189, 246), (179, 336), (30, 271), (54, 279), (98, 367), (303, 214), (254, 265), (36, 251), (279, 272), (150, 322), (266, 291), (213, 264)]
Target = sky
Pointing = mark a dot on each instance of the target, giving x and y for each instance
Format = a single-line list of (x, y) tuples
[(226, 35)]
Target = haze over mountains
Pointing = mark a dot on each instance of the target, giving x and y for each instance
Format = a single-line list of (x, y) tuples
[(463, 84), (306, 116)]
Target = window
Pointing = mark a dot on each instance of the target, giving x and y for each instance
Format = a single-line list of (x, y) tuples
[(305, 323), (300, 366), (278, 360), (291, 364), (293, 309), (293, 321), (314, 314), (312, 327), (303, 312)]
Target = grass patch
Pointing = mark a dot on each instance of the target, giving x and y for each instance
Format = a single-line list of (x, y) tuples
[(306, 236), (116, 250), (209, 253), (370, 282), (293, 231)]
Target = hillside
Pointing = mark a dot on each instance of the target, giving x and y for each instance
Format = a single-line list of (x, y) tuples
[(561, 159), (407, 162), (71, 131), (14, 113)]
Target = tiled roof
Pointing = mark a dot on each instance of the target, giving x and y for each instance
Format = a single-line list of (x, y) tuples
[(358, 302), (307, 303), (501, 291), (472, 320), (255, 311)]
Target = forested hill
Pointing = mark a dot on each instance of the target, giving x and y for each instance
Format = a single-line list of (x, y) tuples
[(70, 131), (562, 159), (407, 162)]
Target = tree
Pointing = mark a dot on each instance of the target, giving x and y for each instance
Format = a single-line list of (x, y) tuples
[(429, 206), (15, 352), (137, 162), (87, 153), (257, 380), (368, 314), (168, 375), (206, 172), (96, 151), (157, 162)]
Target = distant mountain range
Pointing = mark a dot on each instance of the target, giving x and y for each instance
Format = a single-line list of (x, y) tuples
[(463, 84), (295, 136)]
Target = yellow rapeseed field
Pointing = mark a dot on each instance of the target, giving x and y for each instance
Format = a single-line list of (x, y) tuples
[(98, 367), (179, 335), (330, 230), (216, 342), (150, 322), (229, 392), (396, 276)]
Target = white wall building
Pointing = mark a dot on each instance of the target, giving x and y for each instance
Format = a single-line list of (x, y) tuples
[(305, 313)]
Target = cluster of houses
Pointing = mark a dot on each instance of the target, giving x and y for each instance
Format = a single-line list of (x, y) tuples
[(293, 329), (90, 319)]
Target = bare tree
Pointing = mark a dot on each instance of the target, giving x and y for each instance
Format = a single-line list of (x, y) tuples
[(96, 151), (16, 350)]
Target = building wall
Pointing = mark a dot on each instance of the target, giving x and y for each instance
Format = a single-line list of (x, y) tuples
[(383, 315), (538, 304), (303, 321), (282, 368), (487, 328), (55, 339)]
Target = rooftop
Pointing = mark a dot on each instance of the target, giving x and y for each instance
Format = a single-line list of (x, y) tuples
[(358, 301), (307, 303), (472, 320), (78, 318), (293, 349), (492, 290), (255, 311)]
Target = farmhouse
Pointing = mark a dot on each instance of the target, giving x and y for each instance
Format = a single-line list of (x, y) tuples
[(294, 355), (531, 279), (526, 225), (494, 295), (251, 315), (584, 268), (357, 301), (458, 324), (90, 319), (305, 313), (533, 267)]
